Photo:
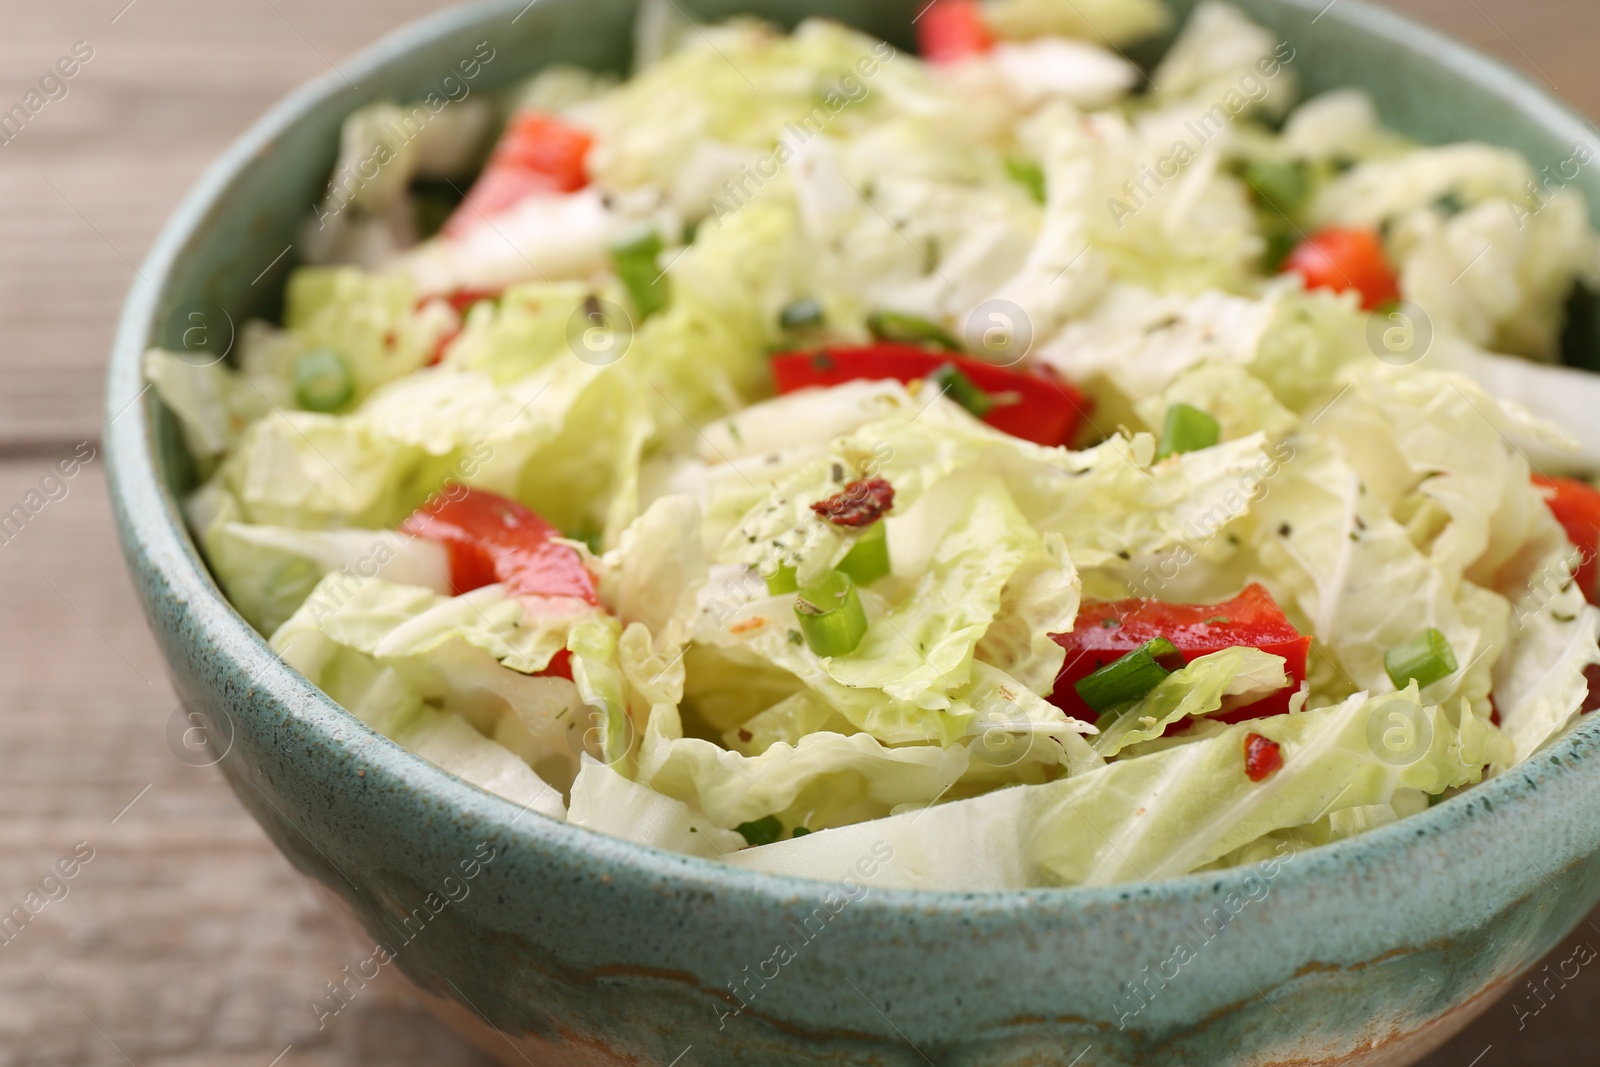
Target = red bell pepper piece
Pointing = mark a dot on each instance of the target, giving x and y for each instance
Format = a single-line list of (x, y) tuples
[(1030, 406), (1576, 506), (951, 30), (1106, 630), (1341, 259), (537, 155), (492, 539)]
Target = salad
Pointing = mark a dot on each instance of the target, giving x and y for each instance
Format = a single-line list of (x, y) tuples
[(1041, 469)]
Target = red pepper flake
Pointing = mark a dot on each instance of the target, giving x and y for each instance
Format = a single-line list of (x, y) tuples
[(746, 736), (1262, 757), (446, 339), (861, 503), (462, 299)]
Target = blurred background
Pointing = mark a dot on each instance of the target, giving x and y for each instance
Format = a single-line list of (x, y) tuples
[(182, 938)]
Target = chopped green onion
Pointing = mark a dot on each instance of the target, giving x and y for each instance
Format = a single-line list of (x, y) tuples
[(636, 263), (831, 616), (800, 314), (958, 387), (1279, 244), (1187, 429), (1028, 174), (868, 558), (761, 832), (1450, 204), (1427, 657), (1282, 184), (322, 380), (1128, 678), (781, 581), (799, 831), (910, 329)]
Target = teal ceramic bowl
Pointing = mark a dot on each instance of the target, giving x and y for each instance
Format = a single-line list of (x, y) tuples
[(555, 946)]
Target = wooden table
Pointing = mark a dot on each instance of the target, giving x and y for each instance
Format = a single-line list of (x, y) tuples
[(186, 939)]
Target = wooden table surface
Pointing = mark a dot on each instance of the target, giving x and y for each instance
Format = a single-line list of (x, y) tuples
[(186, 939)]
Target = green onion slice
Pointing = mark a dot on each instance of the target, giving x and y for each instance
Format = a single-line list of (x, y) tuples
[(1028, 174), (800, 314), (910, 329), (782, 580), (322, 380), (1450, 204), (868, 558), (831, 616), (1279, 244), (1130, 677), (1284, 184), (1187, 429), (636, 262), (763, 831), (1427, 657), (958, 387)]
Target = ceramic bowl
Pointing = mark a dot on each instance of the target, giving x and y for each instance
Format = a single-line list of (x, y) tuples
[(555, 946)]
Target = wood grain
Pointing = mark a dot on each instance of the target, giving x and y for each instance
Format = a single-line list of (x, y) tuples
[(187, 940)]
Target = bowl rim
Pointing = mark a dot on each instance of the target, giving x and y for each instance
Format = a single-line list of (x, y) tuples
[(155, 538)]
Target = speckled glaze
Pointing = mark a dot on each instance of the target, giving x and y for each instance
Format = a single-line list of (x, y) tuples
[(581, 949)]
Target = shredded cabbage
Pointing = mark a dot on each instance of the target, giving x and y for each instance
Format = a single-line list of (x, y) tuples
[(599, 352)]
